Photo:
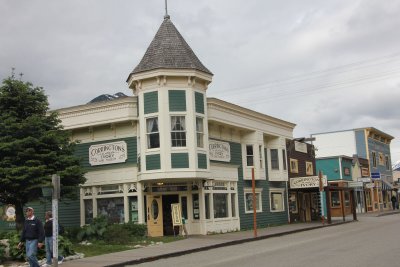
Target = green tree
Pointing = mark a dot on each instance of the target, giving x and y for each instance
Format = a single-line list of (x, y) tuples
[(33, 146)]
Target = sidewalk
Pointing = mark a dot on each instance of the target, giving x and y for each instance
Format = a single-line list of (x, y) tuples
[(194, 244)]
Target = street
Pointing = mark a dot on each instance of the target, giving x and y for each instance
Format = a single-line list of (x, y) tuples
[(373, 241)]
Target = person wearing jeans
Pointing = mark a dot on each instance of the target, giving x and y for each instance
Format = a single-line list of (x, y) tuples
[(48, 233), (33, 235)]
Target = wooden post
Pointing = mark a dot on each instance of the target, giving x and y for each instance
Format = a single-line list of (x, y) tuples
[(56, 195), (328, 205), (321, 190), (253, 187), (353, 203), (341, 191)]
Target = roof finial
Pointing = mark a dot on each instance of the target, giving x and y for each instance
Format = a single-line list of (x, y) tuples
[(166, 10)]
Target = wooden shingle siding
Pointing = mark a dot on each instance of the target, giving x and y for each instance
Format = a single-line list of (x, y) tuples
[(180, 160), (150, 102), (82, 152), (199, 102), (153, 162), (202, 161), (177, 100)]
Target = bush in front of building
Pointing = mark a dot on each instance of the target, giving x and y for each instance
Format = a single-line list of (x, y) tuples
[(136, 230), (93, 231), (64, 245), (117, 234)]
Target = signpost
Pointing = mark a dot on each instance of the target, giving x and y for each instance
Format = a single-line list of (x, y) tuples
[(253, 186), (321, 194), (56, 195), (375, 175)]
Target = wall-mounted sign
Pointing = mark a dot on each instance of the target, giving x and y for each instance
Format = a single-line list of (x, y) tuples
[(300, 147), (355, 184), (9, 213), (375, 175), (307, 182), (346, 171), (108, 153), (370, 185), (364, 172), (364, 179), (220, 151)]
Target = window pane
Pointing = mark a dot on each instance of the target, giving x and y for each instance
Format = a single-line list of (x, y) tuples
[(274, 159), (178, 131), (284, 159), (199, 132), (207, 204), (88, 211), (220, 205), (335, 199), (153, 138), (249, 155), (196, 206), (184, 207), (276, 201), (233, 204), (249, 201), (112, 208)]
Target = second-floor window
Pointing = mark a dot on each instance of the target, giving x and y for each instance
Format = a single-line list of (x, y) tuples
[(199, 132), (249, 155), (261, 156), (284, 159), (153, 136), (294, 166), (373, 159), (274, 159), (387, 161), (178, 131), (309, 168)]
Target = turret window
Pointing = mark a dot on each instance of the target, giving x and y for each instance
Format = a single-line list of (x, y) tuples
[(153, 136), (178, 131), (200, 132)]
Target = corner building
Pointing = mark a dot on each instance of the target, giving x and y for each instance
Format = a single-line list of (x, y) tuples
[(170, 144)]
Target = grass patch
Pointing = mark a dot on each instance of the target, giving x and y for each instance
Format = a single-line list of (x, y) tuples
[(100, 247)]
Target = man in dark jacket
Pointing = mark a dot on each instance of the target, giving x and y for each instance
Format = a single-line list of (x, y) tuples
[(33, 236)]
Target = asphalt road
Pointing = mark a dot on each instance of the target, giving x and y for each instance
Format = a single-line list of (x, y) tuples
[(373, 241)]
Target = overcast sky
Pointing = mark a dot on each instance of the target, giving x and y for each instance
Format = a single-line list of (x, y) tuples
[(324, 65)]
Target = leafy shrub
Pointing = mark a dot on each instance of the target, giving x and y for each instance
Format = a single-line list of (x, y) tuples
[(72, 232), (136, 230), (117, 234), (2, 252), (65, 246), (93, 231)]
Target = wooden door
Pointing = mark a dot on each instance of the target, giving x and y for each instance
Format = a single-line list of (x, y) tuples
[(154, 216)]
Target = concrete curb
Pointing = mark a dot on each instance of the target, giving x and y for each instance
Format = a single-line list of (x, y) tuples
[(229, 243)]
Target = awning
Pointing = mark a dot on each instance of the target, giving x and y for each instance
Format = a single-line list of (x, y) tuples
[(386, 186)]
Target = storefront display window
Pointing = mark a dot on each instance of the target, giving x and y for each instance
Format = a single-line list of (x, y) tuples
[(88, 211), (112, 208), (196, 206), (347, 199), (293, 203), (207, 204), (277, 201), (220, 205), (335, 199), (233, 201), (248, 196)]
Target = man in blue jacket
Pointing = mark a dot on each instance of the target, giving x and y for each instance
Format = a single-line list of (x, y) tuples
[(33, 236)]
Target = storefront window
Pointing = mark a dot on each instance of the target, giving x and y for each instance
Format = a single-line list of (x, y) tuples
[(277, 201), (335, 199), (220, 205), (184, 207), (196, 206), (248, 196), (207, 204), (293, 203), (347, 199), (88, 211), (112, 208), (233, 202)]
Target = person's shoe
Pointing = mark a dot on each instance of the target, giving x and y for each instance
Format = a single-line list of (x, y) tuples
[(61, 260), (46, 265)]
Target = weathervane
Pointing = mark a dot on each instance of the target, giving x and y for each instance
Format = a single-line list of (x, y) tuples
[(166, 10)]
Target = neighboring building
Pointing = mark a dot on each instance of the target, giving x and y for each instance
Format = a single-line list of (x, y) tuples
[(338, 172), (304, 183), (361, 180), (171, 144), (368, 143)]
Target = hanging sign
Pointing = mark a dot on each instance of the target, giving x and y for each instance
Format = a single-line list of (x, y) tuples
[(108, 153), (300, 147)]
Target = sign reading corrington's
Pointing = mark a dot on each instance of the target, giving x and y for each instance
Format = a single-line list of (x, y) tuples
[(307, 182), (220, 151), (108, 153)]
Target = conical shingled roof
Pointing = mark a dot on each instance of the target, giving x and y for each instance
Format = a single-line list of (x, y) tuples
[(169, 50)]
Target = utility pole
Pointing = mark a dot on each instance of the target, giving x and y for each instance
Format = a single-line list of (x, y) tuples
[(55, 179), (321, 193), (253, 187)]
